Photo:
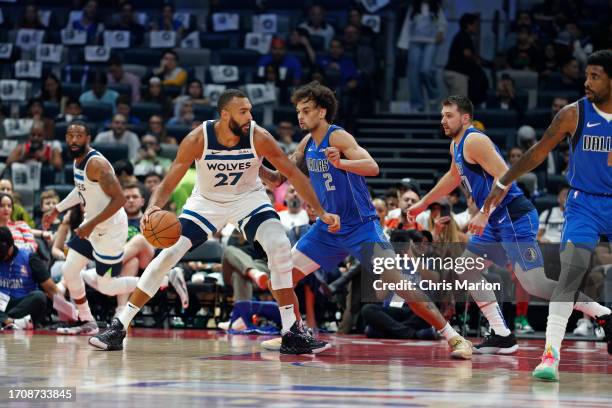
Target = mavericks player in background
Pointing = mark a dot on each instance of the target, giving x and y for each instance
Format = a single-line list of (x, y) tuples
[(227, 153), (102, 234), (508, 233), (587, 123), (337, 166)]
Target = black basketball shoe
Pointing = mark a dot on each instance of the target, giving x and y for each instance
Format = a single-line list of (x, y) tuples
[(496, 344), (606, 323), (111, 338), (299, 341)]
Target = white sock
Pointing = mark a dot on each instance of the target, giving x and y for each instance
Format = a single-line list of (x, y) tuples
[(127, 314), (592, 309), (555, 331), (287, 317), (494, 316), (84, 312), (448, 332)]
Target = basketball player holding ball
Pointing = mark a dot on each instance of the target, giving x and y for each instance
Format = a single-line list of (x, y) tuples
[(228, 154)]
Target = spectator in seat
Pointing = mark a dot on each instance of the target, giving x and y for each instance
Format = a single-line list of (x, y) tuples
[(289, 66), (295, 215), (505, 95), (21, 272), (529, 180), (558, 103), (336, 60), (36, 111), (404, 221), (151, 181), (463, 59), (525, 54), (157, 128), (48, 200), (186, 115), (285, 130), (90, 23), (571, 79), (30, 19), (123, 107), (155, 93), (299, 41), (127, 22), (37, 149), (362, 54), (73, 111), (18, 213), (169, 71), (99, 92), (355, 16), (195, 94), (316, 24), (22, 233), (551, 220), (52, 91), (118, 134), (167, 22), (148, 160), (550, 62), (118, 75)]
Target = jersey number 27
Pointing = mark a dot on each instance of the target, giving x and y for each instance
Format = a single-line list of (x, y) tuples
[(225, 177)]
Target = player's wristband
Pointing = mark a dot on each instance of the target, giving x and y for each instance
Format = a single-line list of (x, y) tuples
[(500, 185)]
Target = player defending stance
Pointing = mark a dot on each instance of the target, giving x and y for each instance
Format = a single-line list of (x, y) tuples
[(588, 211), (102, 234), (337, 166), (508, 233), (228, 154)]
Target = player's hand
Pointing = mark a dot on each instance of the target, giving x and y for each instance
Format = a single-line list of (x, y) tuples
[(145, 216), (333, 156), (416, 208), (48, 219), (477, 224), (84, 231), (493, 199), (332, 220)]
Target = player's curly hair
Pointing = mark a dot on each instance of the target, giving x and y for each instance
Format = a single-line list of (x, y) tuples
[(321, 95)]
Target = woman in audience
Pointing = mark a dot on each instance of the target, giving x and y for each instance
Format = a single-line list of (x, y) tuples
[(195, 94), (52, 91)]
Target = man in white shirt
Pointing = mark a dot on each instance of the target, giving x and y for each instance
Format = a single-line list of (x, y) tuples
[(294, 215), (551, 221), (118, 133)]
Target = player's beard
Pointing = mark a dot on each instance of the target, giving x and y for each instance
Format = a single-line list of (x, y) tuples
[(236, 128), (453, 133), (75, 154), (598, 99)]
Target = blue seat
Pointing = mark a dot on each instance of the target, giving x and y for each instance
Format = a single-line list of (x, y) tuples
[(112, 151), (204, 112), (178, 131), (97, 111), (496, 118), (239, 57), (144, 110), (143, 56)]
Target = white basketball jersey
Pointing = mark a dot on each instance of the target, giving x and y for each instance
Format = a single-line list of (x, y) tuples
[(93, 198), (227, 174)]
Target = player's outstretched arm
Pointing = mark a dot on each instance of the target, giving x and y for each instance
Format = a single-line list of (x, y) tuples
[(101, 171), (563, 124), (266, 146), (447, 183), (276, 178), (356, 159), (190, 149), (69, 201)]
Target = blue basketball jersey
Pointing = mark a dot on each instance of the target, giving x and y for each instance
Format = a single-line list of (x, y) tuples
[(340, 192), (476, 180), (590, 166)]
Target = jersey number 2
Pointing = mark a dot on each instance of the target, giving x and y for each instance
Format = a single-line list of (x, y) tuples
[(328, 182), (224, 177)]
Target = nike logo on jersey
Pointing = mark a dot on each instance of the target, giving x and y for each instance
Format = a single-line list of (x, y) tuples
[(501, 220), (100, 235), (214, 152), (590, 125)]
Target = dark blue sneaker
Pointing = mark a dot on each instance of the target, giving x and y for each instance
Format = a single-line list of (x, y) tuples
[(111, 338)]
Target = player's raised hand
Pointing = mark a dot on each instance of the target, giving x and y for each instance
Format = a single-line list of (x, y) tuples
[(48, 218), (145, 216), (333, 156), (332, 220), (416, 208)]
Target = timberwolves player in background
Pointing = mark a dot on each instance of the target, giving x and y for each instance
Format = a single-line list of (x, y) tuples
[(104, 230), (587, 123), (337, 166), (508, 233), (227, 154)]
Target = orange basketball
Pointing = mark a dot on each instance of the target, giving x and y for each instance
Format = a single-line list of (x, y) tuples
[(163, 229)]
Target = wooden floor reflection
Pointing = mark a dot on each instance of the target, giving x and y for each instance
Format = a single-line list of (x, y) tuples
[(175, 368)]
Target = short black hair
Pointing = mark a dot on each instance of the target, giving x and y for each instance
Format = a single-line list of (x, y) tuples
[(6, 242), (467, 19), (602, 58), (123, 99), (227, 96), (80, 123), (322, 96), (169, 51), (464, 105), (114, 60), (123, 166), (153, 174)]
